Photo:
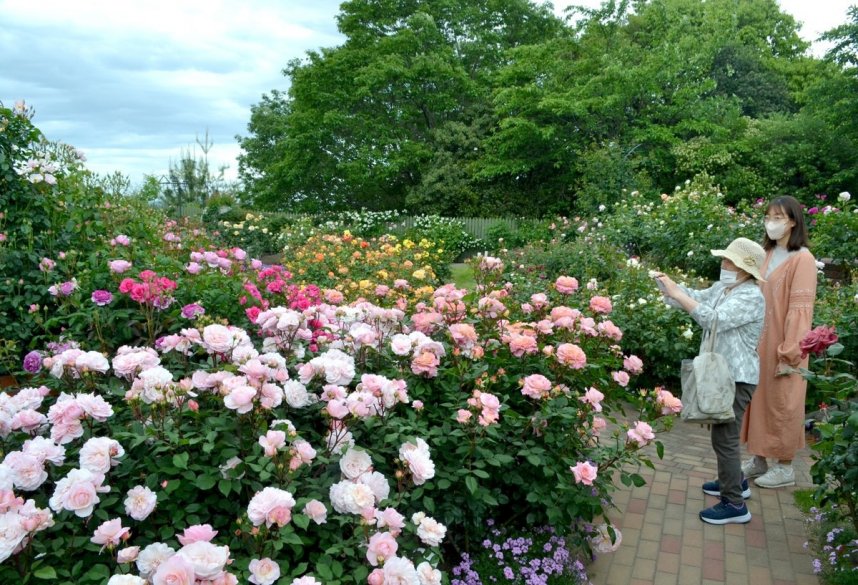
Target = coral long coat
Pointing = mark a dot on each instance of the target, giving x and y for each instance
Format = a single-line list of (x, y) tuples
[(774, 420)]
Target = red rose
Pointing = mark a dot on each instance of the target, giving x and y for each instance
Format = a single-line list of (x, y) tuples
[(818, 340)]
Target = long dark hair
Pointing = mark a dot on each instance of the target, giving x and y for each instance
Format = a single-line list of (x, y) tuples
[(793, 209)]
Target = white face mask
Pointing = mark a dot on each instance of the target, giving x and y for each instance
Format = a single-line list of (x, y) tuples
[(729, 277), (776, 229)]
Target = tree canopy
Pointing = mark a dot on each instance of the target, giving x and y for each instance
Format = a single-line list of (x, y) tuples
[(498, 106)]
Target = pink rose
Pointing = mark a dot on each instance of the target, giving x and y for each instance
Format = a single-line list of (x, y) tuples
[(376, 577), (601, 305), (463, 416), (197, 533), (584, 472), (609, 330), (110, 533), (140, 502), (264, 571), (176, 570), (641, 434), (128, 554), (272, 441), (119, 267), (271, 506), (240, 399), (621, 378), (594, 398), (571, 355), (522, 344), (633, 364), (316, 511), (536, 386), (669, 403), (425, 364), (566, 285), (382, 546), (598, 425)]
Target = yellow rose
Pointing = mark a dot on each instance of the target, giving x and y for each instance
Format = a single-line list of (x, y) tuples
[(419, 274)]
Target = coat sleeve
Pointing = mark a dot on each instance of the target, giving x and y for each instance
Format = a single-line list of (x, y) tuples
[(799, 316), (745, 305)]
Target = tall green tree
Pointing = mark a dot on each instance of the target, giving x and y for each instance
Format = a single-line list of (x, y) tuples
[(370, 123)]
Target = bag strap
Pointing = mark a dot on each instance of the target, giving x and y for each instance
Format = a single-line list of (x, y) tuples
[(713, 331)]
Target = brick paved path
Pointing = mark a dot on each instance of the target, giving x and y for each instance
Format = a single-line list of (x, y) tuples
[(665, 543)]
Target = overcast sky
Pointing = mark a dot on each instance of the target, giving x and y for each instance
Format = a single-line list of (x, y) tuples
[(132, 83)]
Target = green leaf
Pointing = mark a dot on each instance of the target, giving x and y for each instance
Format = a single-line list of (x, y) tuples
[(835, 349), (659, 449), (324, 572), (180, 460), (471, 484), (301, 521), (46, 573), (206, 482), (225, 486)]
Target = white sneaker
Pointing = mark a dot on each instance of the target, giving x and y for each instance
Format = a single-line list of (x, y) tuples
[(778, 476), (754, 466)]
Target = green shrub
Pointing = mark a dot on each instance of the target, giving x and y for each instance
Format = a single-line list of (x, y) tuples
[(834, 232)]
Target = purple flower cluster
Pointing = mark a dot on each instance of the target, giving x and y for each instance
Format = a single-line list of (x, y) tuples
[(525, 560)]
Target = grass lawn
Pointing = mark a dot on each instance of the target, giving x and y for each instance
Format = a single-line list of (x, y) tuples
[(463, 276)]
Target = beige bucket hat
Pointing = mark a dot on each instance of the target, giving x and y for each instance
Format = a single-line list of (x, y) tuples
[(746, 254)]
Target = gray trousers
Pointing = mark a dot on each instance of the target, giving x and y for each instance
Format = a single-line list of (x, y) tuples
[(725, 443)]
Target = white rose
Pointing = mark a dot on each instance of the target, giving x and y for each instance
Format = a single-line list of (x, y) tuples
[(207, 559), (431, 532), (218, 338), (400, 571), (355, 462), (99, 454), (844, 196), (296, 394), (92, 361), (13, 533), (140, 502), (400, 344), (151, 557), (377, 483), (428, 575)]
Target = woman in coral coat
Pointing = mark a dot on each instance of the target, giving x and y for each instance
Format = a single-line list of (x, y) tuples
[(774, 421)]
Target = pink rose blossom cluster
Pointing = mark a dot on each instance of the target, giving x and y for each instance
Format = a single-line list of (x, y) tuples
[(447, 300), (334, 365), (198, 562), (151, 289), (74, 362), (120, 240), (418, 460), (361, 488), (110, 534), (594, 398), (374, 396), (490, 264), (485, 405), (130, 361), (641, 434), (66, 414), (669, 403), (21, 407), (78, 492), (491, 306), (20, 520), (271, 506)]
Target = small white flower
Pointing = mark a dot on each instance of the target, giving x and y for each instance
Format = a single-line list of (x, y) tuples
[(844, 196), (687, 333), (690, 253)]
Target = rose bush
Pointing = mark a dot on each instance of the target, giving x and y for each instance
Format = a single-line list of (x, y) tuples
[(361, 453)]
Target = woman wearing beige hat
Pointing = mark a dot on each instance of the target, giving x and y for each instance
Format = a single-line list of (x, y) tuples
[(738, 305), (774, 422)]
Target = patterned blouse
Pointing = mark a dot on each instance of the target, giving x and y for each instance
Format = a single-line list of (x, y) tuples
[(740, 321)]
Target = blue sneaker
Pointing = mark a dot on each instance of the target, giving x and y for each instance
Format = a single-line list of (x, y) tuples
[(726, 513), (713, 488)]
